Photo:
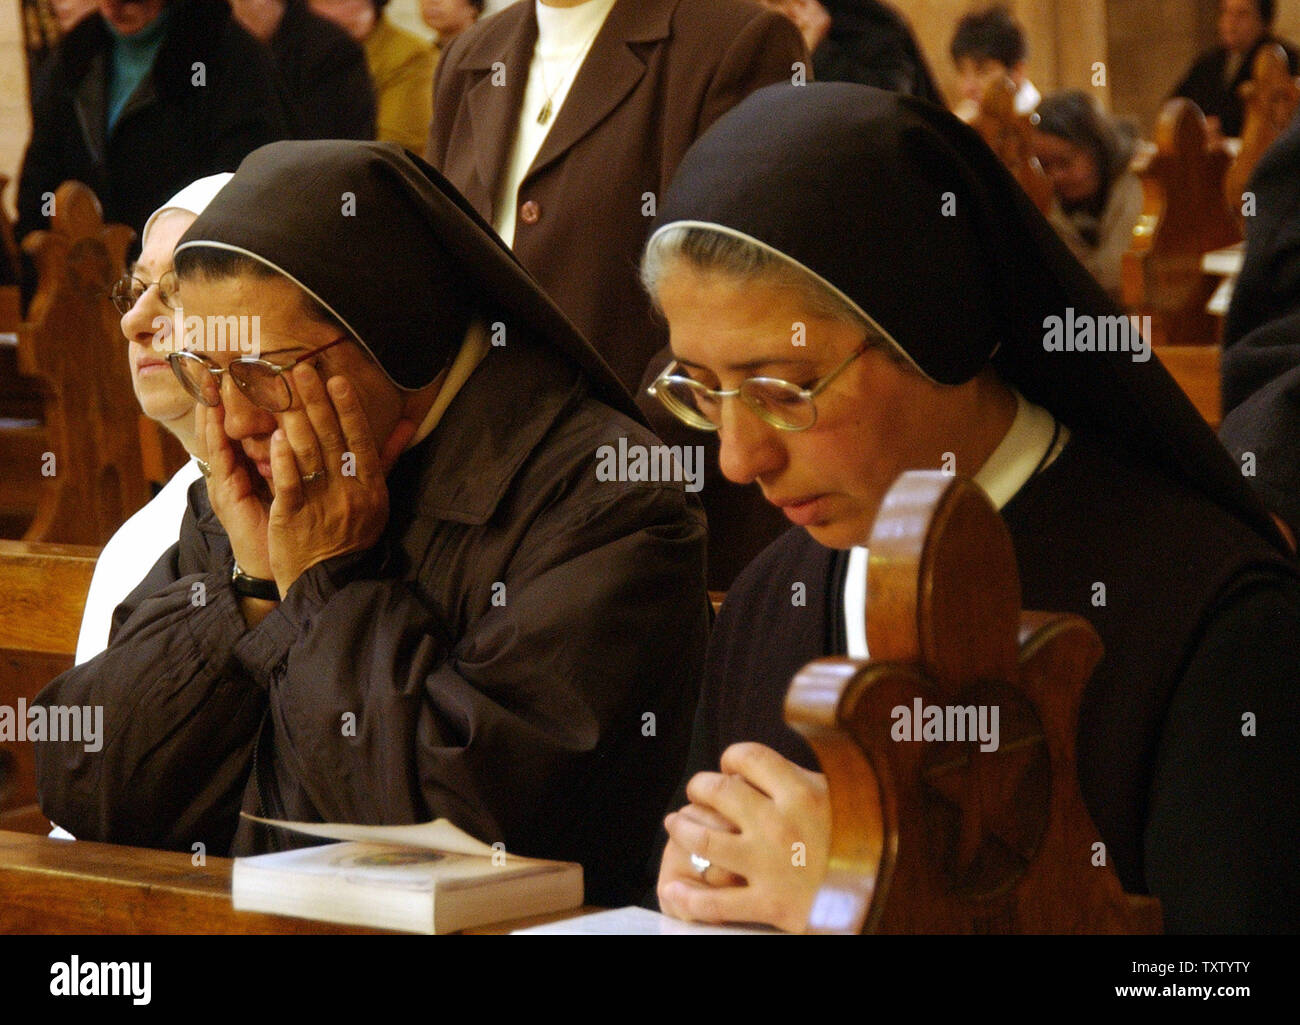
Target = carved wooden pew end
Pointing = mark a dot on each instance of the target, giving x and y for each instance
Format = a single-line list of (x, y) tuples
[(950, 754)]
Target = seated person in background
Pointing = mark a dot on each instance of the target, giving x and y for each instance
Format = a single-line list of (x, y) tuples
[(1102, 469), (124, 85), (322, 68), (1261, 337), (1213, 81), (401, 68), (449, 18), (404, 591), (147, 293), (862, 41), (987, 45), (1098, 199)]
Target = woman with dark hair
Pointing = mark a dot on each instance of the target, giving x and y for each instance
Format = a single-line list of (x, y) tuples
[(1098, 199), (855, 287)]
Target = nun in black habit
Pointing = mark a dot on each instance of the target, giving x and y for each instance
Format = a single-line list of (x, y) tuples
[(1261, 338), (870, 251), (402, 592)]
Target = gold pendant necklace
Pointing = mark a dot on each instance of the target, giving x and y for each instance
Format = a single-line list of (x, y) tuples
[(544, 115)]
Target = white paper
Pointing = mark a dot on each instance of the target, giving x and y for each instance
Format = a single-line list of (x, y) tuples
[(634, 921), (438, 835)]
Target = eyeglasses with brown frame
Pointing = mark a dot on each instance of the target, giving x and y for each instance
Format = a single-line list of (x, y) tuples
[(262, 382)]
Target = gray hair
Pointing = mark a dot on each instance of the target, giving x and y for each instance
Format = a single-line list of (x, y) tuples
[(745, 260)]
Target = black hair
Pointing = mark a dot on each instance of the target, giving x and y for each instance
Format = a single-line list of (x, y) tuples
[(989, 34), (212, 264)]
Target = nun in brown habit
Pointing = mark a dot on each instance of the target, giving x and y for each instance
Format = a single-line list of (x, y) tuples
[(904, 306), (403, 591)]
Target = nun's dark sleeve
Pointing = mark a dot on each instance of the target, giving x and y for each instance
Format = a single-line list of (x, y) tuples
[(1222, 843), (1261, 357), (179, 719)]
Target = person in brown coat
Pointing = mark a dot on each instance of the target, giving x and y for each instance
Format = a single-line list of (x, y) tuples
[(563, 124)]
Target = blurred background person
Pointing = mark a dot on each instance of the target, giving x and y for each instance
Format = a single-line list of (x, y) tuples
[(449, 18), (1213, 81), (144, 97), (987, 45), (322, 68), (401, 68), (1097, 198), (860, 41)]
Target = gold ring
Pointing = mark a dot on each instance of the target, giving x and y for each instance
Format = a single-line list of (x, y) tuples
[(314, 475), (204, 468)]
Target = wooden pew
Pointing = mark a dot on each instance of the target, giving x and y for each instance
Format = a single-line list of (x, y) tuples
[(1010, 136), (11, 272), (42, 592), (941, 836), (1184, 217), (78, 472), (60, 886), (1271, 98)]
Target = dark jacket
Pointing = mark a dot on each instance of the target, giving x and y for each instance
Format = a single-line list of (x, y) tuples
[(211, 98), (520, 653), (659, 73), (1204, 84), (872, 44), (325, 77), (1199, 622)]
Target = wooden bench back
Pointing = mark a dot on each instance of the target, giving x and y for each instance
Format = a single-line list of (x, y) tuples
[(42, 593), (942, 835), (1011, 136), (1184, 216), (89, 478), (1271, 98)]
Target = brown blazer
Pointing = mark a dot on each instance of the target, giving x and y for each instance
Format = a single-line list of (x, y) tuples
[(658, 74)]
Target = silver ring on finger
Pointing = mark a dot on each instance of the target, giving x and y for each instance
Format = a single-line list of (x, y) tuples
[(701, 865)]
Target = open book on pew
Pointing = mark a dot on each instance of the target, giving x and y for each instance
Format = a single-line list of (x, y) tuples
[(426, 878)]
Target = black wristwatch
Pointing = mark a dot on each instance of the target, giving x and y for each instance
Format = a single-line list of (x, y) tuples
[(253, 587)]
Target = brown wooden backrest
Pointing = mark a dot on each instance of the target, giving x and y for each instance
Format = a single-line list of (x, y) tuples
[(940, 835), (1271, 98), (91, 477), (1183, 218), (8, 242), (1011, 137), (42, 593)]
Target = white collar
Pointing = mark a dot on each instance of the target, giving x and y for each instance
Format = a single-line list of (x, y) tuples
[(1022, 453), (471, 354)]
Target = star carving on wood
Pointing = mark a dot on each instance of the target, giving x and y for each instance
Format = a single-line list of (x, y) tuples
[(987, 810)]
